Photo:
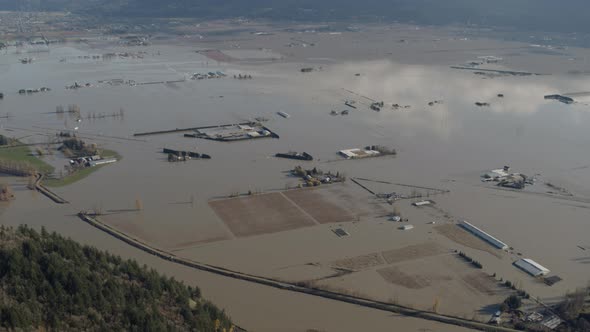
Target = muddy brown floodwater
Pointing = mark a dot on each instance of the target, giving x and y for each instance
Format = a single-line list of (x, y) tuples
[(289, 235)]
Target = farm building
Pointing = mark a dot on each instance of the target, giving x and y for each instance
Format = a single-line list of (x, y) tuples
[(484, 236), (102, 161), (358, 153), (531, 267), (340, 232)]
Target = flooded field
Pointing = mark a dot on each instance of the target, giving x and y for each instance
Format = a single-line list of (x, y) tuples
[(201, 209)]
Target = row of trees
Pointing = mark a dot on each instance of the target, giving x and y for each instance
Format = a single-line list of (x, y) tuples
[(470, 260), (16, 167), (49, 282)]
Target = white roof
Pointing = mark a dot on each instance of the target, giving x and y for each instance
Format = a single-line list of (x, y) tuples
[(358, 153), (531, 267), (102, 161), (483, 235), (499, 172), (349, 153)]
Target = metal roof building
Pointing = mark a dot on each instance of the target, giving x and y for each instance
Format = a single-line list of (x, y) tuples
[(484, 236), (358, 153), (102, 161), (531, 267)]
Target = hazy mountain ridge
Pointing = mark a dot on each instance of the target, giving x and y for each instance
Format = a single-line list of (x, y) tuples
[(547, 15)]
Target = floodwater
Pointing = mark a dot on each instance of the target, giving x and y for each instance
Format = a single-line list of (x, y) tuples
[(446, 145)]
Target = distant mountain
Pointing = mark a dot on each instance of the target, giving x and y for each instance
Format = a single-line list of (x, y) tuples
[(546, 15)]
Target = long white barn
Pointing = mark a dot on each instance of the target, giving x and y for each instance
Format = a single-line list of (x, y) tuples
[(484, 236)]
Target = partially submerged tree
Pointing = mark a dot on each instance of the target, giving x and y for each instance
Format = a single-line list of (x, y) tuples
[(5, 140), (74, 147), (16, 167), (138, 204), (571, 307), (512, 302), (6, 193)]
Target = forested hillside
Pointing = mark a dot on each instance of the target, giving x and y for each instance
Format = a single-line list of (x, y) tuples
[(49, 282)]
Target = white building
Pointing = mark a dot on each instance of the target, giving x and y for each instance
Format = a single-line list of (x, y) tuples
[(531, 267), (358, 153), (496, 174), (421, 203), (483, 235), (283, 114), (407, 227), (102, 162)]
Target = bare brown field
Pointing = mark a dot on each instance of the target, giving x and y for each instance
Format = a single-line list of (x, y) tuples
[(260, 214), (394, 275), (413, 252), (482, 283), (318, 207), (130, 227), (458, 235), (360, 262)]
